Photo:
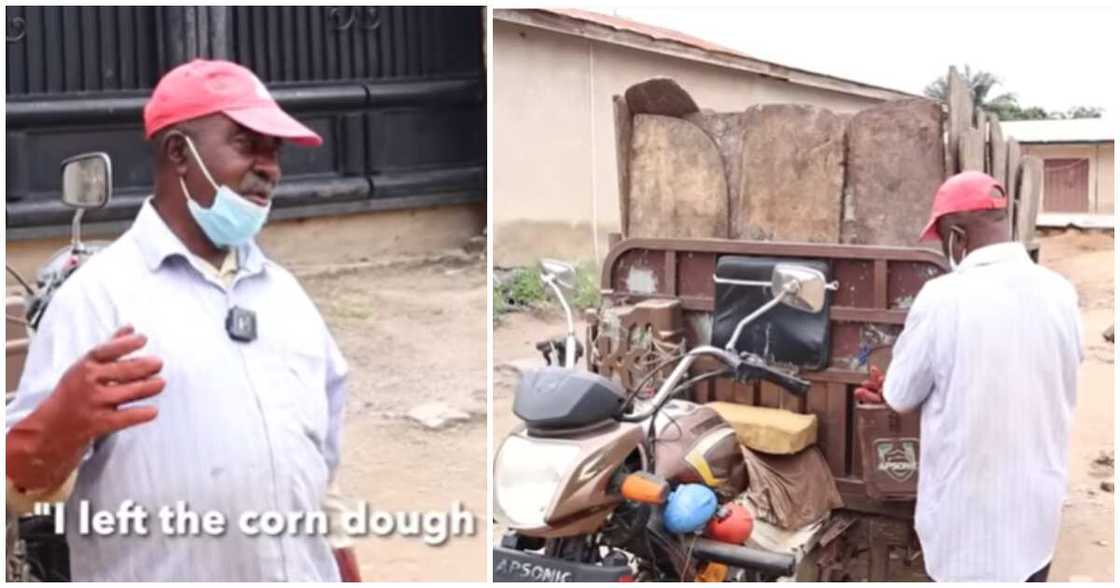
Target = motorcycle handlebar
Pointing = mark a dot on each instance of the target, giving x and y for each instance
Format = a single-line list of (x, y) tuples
[(791, 383), (750, 368), (678, 374), (776, 564)]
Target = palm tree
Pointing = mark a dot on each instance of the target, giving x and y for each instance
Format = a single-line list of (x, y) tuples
[(981, 84)]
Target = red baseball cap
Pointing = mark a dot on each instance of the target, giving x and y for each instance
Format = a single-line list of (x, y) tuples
[(966, 191), (202, 87)]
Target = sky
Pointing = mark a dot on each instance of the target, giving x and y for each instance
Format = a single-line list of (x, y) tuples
[(1051, 57)]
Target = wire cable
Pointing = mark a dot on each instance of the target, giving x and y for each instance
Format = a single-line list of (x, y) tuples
[(19, 279)]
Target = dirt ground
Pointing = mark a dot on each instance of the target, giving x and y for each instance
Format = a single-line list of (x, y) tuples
[(1085, 548), (413, 332)]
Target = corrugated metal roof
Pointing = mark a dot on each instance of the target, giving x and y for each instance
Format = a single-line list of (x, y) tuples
[(576, 21), (1078, 130), (655, 33)]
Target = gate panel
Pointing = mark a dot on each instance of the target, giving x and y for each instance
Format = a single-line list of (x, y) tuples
[(395, 92)]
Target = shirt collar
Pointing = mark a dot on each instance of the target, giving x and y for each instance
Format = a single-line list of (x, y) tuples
[(1000, 252), (157, 242)]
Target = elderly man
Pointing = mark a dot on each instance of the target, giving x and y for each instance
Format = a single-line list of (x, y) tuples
[(989, 355), (181, 364)]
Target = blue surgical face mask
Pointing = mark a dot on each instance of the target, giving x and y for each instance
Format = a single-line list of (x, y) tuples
[(231, 220)]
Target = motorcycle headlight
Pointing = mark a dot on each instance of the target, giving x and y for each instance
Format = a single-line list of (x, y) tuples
[(527, 475)]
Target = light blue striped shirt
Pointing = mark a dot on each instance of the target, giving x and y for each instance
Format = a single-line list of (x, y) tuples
[(241, 426), (990, 354)]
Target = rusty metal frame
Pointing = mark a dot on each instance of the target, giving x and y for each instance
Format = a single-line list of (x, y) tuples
[(832, 386), (879, 312), (879, 255)]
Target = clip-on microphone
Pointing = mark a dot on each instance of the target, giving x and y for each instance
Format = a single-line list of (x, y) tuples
[(241, 324)]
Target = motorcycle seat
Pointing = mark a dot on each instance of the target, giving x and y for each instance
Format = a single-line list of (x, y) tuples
[(558, 398)]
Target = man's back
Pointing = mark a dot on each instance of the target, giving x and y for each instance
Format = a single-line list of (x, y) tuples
[(991, 358)]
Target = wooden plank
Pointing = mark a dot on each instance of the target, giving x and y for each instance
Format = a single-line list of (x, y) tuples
[(949, 155), (661, 96), (1014, 154), (816, 399), (970, 153), (724, 391), (960, 117), (771, 395), (1030, 196), (816, 403), (727, 129), (702, 392), (894, 166), (865, 315), (792, 174), (677, 184), (981, 118), (855, 454), (833, 434), (997, 150), (671, 272), (791, 401), (879, 278), (743, 394), (623, 134)]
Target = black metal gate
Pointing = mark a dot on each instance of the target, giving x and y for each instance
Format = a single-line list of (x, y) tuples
[(397, 93)]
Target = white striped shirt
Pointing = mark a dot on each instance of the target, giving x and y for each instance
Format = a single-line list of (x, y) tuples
[(241, 426), (990, 354)]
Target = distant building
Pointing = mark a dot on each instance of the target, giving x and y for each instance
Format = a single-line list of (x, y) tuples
[(555, 71), (1078, 186)]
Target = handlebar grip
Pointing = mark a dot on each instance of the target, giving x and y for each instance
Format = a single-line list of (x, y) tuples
[(792, 383), (777, 564), (753, 367)]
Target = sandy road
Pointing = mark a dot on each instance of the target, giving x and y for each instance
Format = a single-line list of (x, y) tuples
[(413, 333), (1085, 547)]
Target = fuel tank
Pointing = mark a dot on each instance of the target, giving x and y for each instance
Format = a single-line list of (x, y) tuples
[(694, 444)]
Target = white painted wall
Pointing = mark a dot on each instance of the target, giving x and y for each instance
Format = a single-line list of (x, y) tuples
[(555, 174)]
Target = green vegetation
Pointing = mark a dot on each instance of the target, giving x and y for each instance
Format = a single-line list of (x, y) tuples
[(521, 289), (1006, 105), (586, 294)]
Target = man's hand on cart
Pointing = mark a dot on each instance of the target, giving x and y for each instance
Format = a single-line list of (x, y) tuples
[(871, 390)]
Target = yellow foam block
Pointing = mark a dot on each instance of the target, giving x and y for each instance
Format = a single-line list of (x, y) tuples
[(769, 430)]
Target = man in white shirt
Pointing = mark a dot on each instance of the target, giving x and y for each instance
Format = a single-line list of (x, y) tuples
[(182, 364), (989, 355)]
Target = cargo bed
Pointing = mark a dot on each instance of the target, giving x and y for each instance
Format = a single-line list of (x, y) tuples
[(877, 285)]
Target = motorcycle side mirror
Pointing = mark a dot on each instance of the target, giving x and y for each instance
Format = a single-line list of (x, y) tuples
[(560, 272), (87, 183), (801, 287), (794, 285), (87, 180)]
